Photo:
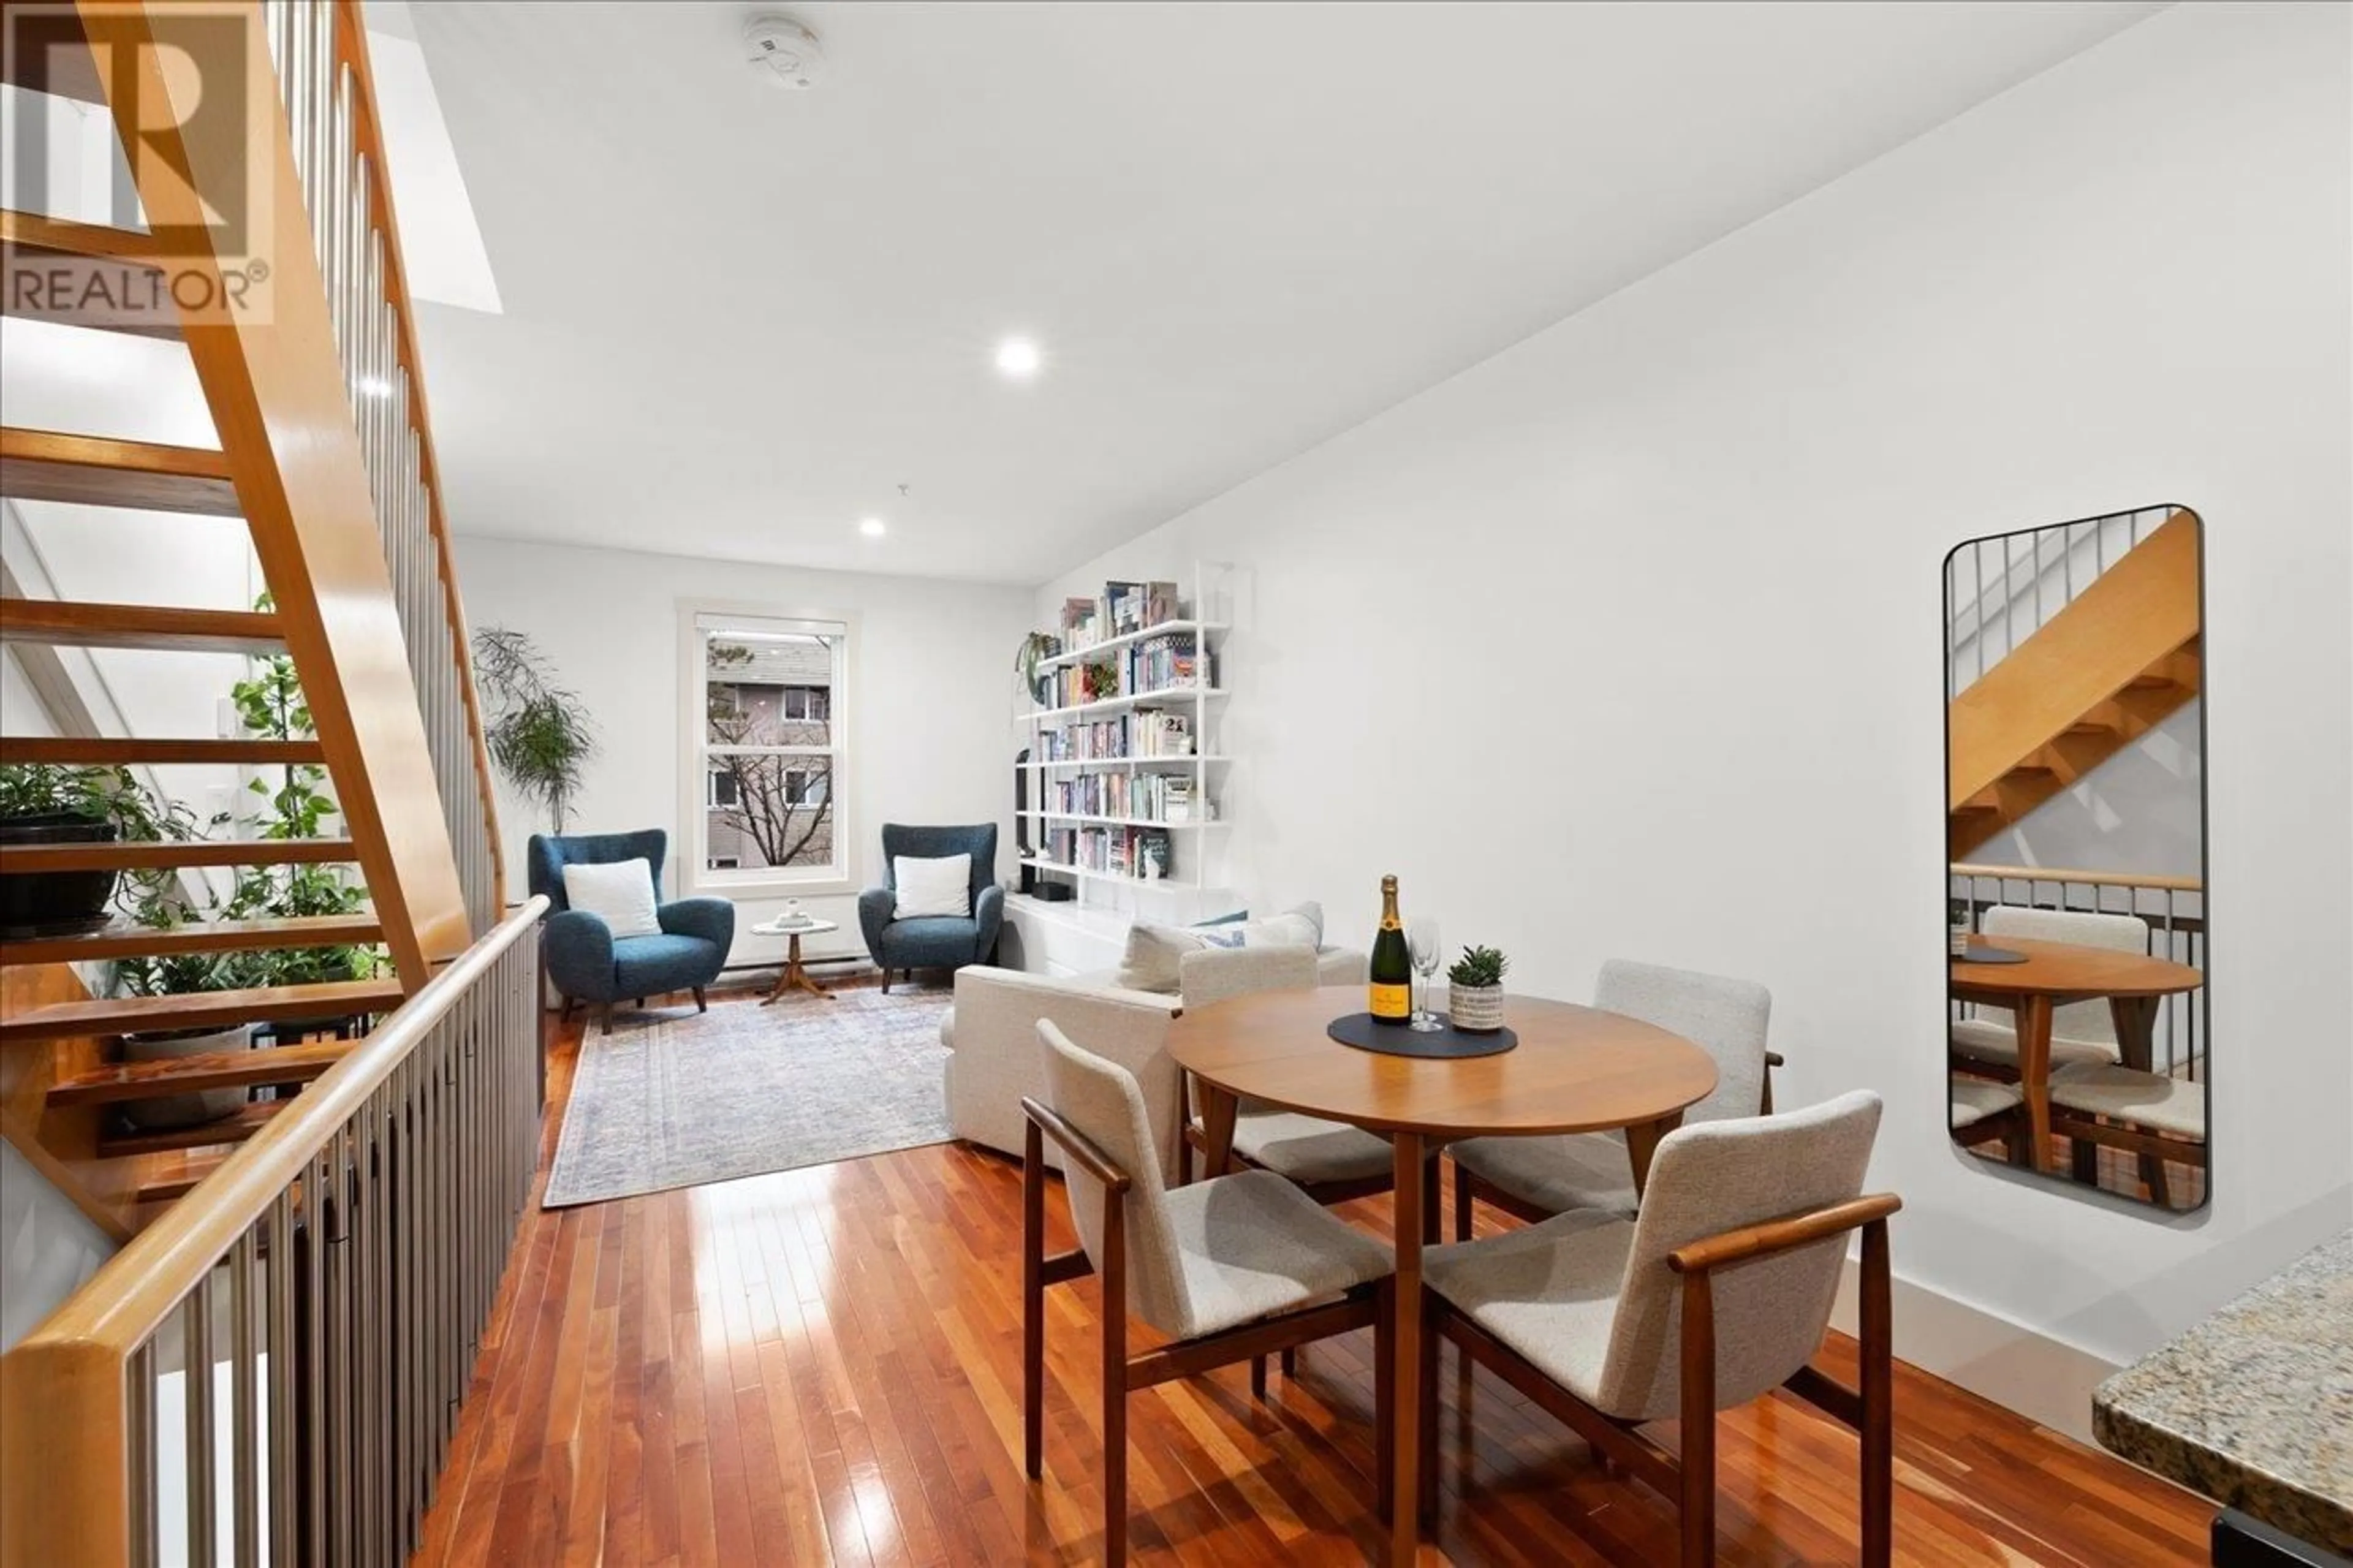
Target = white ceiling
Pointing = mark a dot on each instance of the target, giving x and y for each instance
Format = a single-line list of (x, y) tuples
[(737, 319)]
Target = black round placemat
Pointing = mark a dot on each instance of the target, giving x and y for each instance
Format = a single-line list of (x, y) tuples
[(1991, 955), (1360, 1030)]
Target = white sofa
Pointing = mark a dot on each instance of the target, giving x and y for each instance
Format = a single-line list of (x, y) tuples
[(991, 1035)]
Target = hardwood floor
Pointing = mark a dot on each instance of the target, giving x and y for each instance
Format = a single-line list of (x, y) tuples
[(824, 1366)]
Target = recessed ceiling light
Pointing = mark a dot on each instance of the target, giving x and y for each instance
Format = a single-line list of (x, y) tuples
[(1018, 357), (872, 527)]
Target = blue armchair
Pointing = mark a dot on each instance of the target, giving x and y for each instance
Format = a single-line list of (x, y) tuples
[(937, 941), (588, 963)]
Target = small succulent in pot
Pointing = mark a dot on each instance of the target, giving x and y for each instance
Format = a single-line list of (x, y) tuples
[(1475, 990)]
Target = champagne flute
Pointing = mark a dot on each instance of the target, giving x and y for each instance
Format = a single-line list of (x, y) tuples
[(1421, 941)]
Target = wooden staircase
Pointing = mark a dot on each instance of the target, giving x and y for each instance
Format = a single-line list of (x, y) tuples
[(305, 475), (2113, 663)]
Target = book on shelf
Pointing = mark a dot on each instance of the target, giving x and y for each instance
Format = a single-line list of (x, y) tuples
[(1122, 610), (1144, 733), (1144, 853)]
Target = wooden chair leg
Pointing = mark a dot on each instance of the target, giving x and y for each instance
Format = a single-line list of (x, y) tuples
[(1290, 1363), (2152, 1176), (1114, 1379), (1033, 1300), (1466, 1202), (1425, 1501), (605, 1018), (701, 1002), (1384, 1401), (1430, 1210), (565, 1017), (641, 1004), (1877, 1323), (1258, 1377), (886, 980), (1698, 1422)]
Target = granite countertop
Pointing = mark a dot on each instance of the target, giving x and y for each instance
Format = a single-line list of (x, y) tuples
[(2254, 1406)]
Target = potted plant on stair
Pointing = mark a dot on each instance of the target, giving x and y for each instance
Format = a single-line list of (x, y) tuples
[(296, 803), (43, 804)]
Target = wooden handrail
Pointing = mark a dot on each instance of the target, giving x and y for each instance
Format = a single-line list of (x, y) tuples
[(2083, 878), (1781, 1235), (367, 139), (135, 1291)]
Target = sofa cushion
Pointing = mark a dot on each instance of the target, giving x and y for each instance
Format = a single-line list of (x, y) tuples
[(644, 965), (1154, 951), (933, 941), (927, 888), (618, 892)]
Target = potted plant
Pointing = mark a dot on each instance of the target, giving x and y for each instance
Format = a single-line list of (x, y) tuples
[(1035, 649), (270, 706), (1474, 993), (538, 733), (44, 804)]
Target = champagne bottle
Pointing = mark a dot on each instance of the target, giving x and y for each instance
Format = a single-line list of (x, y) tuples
[(1392, 966)]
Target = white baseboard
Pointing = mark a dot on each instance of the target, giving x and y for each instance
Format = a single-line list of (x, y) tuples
[(2045, 1380)]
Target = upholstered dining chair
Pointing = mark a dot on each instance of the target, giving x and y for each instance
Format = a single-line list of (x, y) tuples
[(1536, 1178), (587, 962), (2082, 1032), (2157, 1117), (1331, 1160), (1981, 1110), (1227, 1270), (933, 942), (1608, 1322)]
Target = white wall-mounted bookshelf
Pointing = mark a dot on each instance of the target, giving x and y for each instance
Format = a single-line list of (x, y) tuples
[(1130, 781)]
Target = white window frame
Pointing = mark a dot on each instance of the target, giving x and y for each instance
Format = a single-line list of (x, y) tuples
[(696, 619)]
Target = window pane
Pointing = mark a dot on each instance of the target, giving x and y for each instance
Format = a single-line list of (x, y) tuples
[(780, 812), (768, 688)]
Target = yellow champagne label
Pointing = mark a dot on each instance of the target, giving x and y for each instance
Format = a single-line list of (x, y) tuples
[(1392, 1000)]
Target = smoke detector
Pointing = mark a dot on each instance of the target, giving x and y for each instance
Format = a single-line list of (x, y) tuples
[(784, 52)]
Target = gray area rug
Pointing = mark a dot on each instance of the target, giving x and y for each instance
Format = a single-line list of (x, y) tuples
[(678, 1100)]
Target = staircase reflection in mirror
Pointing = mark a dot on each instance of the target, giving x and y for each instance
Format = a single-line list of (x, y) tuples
[(2076, 842)]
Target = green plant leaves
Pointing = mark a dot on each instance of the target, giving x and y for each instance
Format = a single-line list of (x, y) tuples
[(538, 733)]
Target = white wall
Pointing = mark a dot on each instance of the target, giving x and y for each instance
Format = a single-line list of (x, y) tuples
[(931, 671), (1628, 640)]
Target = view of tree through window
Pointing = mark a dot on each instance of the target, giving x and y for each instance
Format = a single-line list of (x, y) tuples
[(771, 753)]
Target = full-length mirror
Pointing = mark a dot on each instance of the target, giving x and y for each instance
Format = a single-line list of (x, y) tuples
[(2076, 837)]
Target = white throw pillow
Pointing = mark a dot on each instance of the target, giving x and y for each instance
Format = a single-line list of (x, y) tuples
[(620, 892), (941, 887), (1154, 952)]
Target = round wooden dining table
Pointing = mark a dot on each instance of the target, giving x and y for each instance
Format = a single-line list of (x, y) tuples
[(2133, 983), (1576, 1069)]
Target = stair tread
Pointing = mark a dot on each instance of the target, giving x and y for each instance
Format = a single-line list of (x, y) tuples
[(124, 939), (79, 751), (130, 1014), (82, 269), (212, 1070), (74, 622), (19, 859), (98, 470), (248, 1121)]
